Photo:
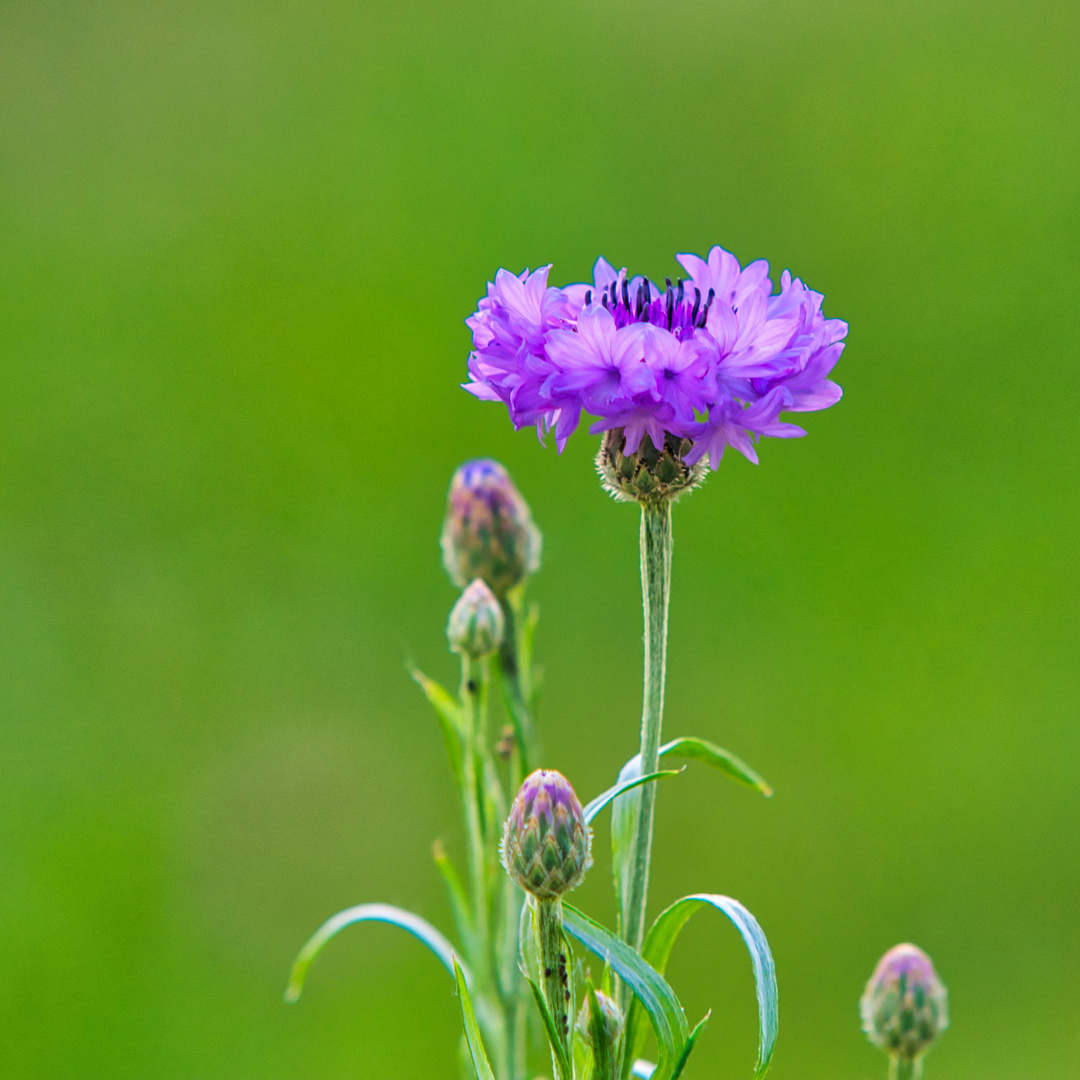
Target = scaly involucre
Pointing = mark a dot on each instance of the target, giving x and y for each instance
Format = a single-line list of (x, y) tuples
[(713, 358)]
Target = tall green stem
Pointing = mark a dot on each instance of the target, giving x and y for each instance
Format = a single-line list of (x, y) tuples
[(515, 666), (472, 697), (556, 976), (656, 547)]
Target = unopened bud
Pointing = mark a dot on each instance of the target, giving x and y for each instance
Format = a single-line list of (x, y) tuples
[(546, 845), (476, 622), (904, 1007), (610, 1016), (488, 532)]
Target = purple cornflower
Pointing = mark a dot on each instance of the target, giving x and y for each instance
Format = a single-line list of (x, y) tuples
[(713, 358)]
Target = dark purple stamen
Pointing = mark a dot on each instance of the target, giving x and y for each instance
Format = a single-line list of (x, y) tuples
[(708, 304), (697, 304), (626, 294), (588, 297)]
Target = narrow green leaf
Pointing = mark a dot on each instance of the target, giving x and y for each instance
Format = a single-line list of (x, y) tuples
[(665, 930), (528, 942), (472, 1031), (451, 718), (459, 902), (602, 1049), (656, 997), (690, 1043), (554, 1036), (593, 808), (406, 920)]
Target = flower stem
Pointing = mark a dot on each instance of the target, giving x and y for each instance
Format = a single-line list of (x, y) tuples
[(556, 976), (473, 698), (900, 1069), (656, 545), (515, 666)]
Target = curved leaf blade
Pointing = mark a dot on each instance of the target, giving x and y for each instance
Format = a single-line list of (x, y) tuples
[(718, 758), (472, 1030), (665, 930), (656, 997), (386, 913), (594, 806)]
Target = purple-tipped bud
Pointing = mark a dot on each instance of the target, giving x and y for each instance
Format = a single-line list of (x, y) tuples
[(611, 1017), (546, 845), (476, 622), (905, 1007), (488, 532)]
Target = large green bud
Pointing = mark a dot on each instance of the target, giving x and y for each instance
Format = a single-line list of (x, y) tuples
[(476, 623), (546, 845), (905, 1006), (649, 475), (488, 531)]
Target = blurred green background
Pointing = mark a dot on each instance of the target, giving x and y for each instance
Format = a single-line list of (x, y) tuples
[(237, 244)]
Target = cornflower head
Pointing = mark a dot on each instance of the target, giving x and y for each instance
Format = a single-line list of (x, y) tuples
[(488, 531), (679, 372), (905, 1007)]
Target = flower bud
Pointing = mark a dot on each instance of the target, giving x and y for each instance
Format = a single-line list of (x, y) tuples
[(905, 1007), (648, 475), (546, 845), (476, 622), (611, 1017), (488, 531)]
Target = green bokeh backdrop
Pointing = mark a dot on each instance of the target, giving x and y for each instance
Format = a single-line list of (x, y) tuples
[(237, 243)]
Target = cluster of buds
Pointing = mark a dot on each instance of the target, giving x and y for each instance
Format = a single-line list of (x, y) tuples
[(546, 846), (905, 1007), (488, 531)]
